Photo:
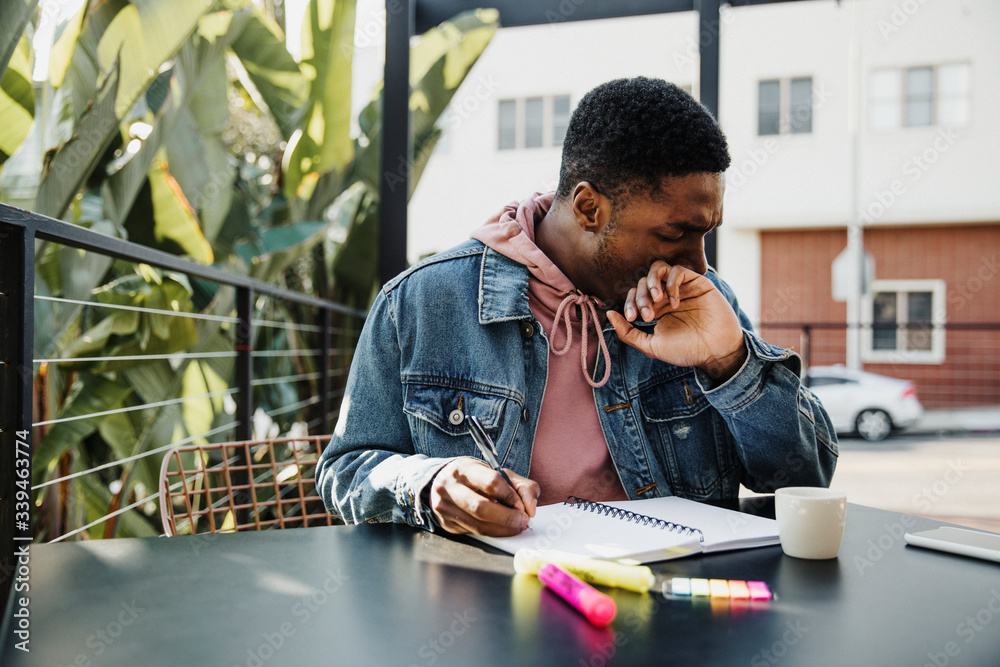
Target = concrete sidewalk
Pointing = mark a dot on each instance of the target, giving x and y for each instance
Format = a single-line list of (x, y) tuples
[(970, 420)]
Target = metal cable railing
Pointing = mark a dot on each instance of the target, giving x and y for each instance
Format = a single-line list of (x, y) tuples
[(159, 450), (117, 382), (929, 354)]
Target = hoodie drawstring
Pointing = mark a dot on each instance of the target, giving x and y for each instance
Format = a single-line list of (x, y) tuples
[(581, 300)]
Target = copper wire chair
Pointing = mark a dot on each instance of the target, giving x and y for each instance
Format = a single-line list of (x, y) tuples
[(250, 485)]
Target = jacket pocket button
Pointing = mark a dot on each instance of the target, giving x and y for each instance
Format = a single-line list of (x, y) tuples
[(456, 417), (527, 329)]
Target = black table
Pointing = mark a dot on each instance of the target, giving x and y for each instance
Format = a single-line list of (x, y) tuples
[(391, 595)]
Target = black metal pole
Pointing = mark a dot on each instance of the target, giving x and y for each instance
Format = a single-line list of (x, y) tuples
[(396, 161), (244, 397), (709, 29), (244, 363), (324, 372), (17, 305)]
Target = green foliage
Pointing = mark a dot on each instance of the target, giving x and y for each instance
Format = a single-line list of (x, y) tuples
[(188, 127)]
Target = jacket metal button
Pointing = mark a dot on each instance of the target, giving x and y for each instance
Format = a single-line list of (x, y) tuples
[(525, 415), (527, 329), (456, 417)]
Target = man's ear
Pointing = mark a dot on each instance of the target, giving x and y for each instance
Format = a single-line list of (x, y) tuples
[(591, 209)]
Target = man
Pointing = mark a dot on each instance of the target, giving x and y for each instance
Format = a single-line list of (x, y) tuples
[(521, 328)]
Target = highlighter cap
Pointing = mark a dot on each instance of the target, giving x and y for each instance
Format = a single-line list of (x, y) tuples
[(597, 607), (527, 561)]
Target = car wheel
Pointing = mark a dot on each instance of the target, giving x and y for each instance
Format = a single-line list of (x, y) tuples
[(874, 425)]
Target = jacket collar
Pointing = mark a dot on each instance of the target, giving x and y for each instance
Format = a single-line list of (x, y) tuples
[(503, 289)]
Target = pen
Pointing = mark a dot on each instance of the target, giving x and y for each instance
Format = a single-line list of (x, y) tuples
[(489, 452)]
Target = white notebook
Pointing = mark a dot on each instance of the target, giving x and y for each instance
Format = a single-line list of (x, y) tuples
[(641, 531)]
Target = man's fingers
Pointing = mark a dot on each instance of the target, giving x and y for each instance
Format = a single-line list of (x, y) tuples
[(527, 489), (631, 312), (490, 483), (629, 334), (655, 276), (468, 496), (677, 276), (644, 301), (484, 515)]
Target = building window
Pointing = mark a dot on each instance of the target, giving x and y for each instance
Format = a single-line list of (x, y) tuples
[(919, 97), (533, 122), (507, 125), (784, 106), (560, 119), (800, 110), (904, 322), (769, 107)]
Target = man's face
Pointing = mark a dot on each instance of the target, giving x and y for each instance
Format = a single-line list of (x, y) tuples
[(670, 226)]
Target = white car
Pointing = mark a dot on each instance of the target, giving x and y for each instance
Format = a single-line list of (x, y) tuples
[(865, 403)]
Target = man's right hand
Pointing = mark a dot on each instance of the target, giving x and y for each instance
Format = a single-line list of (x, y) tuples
[(467, 496)]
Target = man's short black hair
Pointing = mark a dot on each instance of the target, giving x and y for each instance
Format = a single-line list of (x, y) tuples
[(627, 135)]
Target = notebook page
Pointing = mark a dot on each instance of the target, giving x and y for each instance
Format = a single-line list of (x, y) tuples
[(577, 531), (723, 528)]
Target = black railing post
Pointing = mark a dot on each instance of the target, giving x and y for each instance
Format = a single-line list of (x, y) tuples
[(17, 313), (396, 163), (244, 363), (324, 371), (709, 29), (244, 392)]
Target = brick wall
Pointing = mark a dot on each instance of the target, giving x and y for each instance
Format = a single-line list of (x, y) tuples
[(795, 287)]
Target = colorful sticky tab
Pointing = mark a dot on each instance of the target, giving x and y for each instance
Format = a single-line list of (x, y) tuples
[(719, 588), (738, 589), (728, 589), (759, 590), (700, 588)]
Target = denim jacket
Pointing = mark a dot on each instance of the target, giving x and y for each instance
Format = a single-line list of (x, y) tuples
[(454, 335)]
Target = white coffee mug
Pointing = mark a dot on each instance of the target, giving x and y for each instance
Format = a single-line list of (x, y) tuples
[(810, 520)]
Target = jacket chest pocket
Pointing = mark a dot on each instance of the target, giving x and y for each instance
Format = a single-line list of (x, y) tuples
[(688, 437), (436, 414)]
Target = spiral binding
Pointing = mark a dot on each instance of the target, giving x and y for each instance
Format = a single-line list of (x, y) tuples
[(626, 515)]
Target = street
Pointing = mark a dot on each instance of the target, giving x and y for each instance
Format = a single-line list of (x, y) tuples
[(953, 478)]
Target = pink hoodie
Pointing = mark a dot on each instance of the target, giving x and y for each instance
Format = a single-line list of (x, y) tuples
[(570, 454)]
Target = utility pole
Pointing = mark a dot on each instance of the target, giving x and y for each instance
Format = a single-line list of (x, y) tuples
[(855, 233)]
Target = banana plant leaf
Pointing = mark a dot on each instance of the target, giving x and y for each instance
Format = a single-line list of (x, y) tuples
[(174, 227), (69, 273), (90, 393), (145, 34), (62, 51), (17, 101), (75, 160), (273, 250), (194, 84), (16, 16), (356, 262), (97, 499), (324, 141), (442, 59), (273, 71), (123, 42), (439, 62)]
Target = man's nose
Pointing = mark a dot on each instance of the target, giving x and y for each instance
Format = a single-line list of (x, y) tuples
[(692, 256)]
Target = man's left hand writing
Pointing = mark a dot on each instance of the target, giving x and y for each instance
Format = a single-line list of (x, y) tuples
[(695, 325)]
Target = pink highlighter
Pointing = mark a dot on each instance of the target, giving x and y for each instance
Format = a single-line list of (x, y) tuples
[(596, 606)]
